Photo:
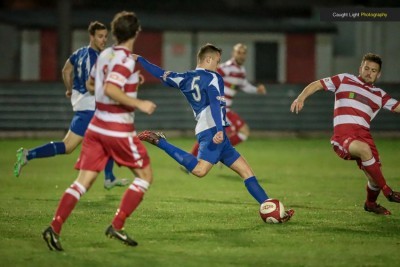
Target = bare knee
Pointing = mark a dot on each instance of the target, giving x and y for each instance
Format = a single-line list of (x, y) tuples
[(365, 152), (145, 173), (199, 172), (360, 150), (202, 168), (68, 149)]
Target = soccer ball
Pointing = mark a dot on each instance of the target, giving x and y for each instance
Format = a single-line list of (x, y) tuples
[(272, 211)]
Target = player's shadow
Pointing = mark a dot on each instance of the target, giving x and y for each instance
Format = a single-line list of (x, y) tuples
[(230, 177), (210, 201)]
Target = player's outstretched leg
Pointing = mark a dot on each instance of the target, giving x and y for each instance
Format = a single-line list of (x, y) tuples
[(22, 160), (52, 239), (182, 157), (121, 235)]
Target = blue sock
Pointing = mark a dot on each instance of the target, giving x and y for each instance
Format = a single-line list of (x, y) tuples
[(182, 157), (255, 189), (108, 170), (48, 150)]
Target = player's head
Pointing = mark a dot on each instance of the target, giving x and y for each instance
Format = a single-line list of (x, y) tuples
[(239, 53), (209, 57), (370, 69), (125, 26), (98, 35)]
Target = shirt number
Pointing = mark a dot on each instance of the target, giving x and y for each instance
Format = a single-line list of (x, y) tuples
[(195, 87)]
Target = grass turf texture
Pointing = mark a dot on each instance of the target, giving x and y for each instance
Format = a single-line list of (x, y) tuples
[(213, 221)]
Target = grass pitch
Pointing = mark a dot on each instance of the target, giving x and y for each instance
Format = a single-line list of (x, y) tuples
[(213, 221)]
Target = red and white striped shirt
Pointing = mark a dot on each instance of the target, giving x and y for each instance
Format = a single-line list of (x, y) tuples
[(234, 77), (114, 65), (356, 103)]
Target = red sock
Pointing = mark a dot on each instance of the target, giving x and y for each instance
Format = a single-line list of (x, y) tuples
[(130, 201), (195, 149), (373, 168), (372, 193), (67, 203)]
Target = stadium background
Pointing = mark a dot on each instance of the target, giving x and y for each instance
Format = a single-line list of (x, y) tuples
[(288, 48)]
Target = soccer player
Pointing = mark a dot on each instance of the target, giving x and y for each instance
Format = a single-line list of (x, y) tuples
[(234, 76), (111, 133), (75, 74), (204, 90), (357, 101)]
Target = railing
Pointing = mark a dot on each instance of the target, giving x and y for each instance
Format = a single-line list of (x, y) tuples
[(43, 107)]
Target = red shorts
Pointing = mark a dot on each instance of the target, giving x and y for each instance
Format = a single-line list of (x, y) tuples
[(341, 147), (235, 121), (97, 149)]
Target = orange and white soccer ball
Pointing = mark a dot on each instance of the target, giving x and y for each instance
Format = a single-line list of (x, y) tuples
[(272, 211)]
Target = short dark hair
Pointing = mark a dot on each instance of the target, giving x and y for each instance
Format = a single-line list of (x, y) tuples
[(207, 49), (95, 26), (374, 58), (124, 26)]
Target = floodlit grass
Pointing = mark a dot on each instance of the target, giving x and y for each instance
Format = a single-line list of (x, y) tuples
[(213, 221)]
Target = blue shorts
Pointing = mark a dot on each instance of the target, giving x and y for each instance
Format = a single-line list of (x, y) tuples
[(213, 153), (80, 121)]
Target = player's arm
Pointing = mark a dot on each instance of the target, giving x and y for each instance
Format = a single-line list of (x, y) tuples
[(141, 78), (90, 81), (114, 92), (153, 69), (310, 89), (215, 107), (249, 88), (67, 76), (261, 89), (90, 85), (397, 109), (157, 72)]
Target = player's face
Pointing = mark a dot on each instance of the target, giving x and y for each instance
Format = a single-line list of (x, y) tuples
[(369, 71), (99, 40), (239, 55)]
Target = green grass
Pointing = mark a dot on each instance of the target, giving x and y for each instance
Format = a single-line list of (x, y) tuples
[(213, 221)]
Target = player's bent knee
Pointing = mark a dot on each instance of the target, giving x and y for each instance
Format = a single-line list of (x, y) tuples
[(199, 173), (365, 150)]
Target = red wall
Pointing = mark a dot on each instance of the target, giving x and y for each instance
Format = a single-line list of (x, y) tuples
[(48, 55), (149, 45), (300, 58)]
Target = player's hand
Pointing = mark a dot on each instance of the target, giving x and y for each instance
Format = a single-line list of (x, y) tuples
[(297, 106), (261, 89), (147, 107), (218, 137), (135, 57), (141, 79), (68, 93)]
